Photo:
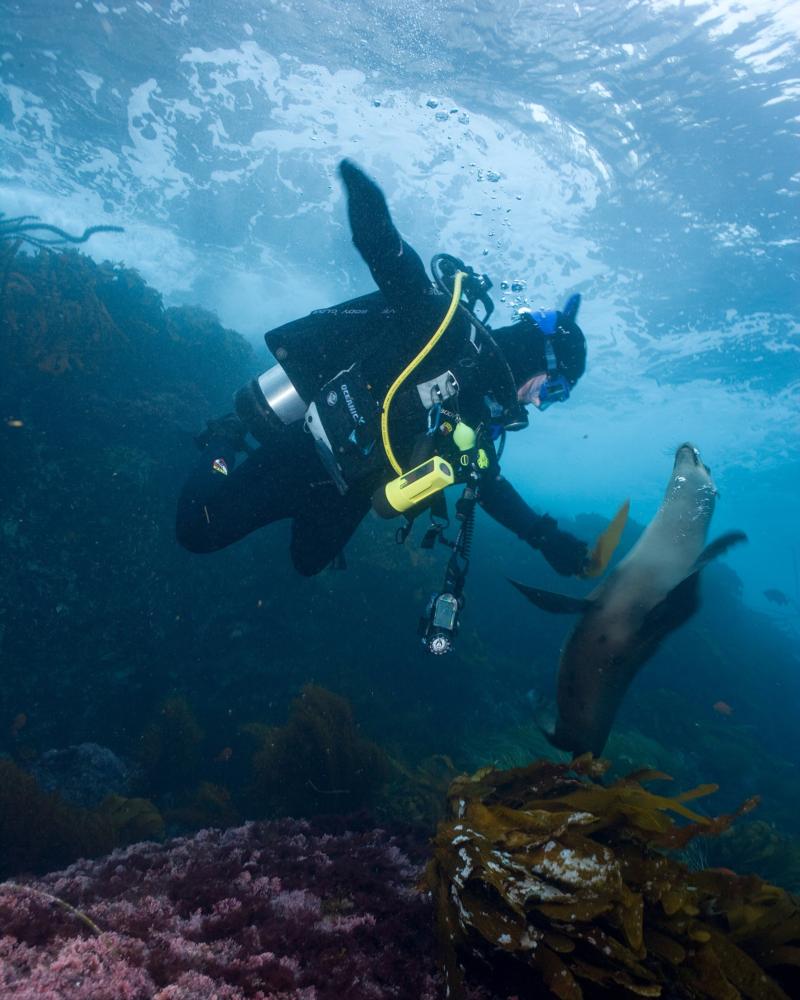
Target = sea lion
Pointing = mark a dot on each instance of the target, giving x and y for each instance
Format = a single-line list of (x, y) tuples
[(652, 591)]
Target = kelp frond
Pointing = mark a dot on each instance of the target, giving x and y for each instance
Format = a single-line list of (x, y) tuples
[(28, 229), (553, 881)]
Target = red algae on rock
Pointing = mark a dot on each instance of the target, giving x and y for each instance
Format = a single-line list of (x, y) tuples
[(265, 911)]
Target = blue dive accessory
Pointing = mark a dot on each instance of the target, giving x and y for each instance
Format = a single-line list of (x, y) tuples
[(556, 388)]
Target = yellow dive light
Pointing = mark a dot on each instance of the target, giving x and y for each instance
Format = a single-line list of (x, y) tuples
[(414, 486)]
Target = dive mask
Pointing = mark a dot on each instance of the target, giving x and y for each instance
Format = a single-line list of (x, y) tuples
[(551, 387), (554, 390), (543, 390)]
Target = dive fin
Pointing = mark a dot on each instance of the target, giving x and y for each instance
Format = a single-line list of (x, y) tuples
[(606, 544), (718, 547), (560, 604)]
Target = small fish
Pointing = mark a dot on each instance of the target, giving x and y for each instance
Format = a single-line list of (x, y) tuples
[(220, 465), (18, 724), (14, 422), (722, 707), (224, 755)]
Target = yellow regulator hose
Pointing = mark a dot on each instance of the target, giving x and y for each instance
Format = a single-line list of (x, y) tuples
[(459, 277)]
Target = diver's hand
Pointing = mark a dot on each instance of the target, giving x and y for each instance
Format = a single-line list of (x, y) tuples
[(360, 184), (567, 554), (370, 221)]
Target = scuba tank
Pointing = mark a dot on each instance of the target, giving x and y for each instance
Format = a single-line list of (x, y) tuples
[(309, 352)]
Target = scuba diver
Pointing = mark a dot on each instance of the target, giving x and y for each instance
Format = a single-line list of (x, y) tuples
[(381, 402)]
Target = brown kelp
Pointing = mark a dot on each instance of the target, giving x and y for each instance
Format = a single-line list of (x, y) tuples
[(28, 229), (761, 847), (549, 880), (318, 762), (416, 795), (170, 747), (19, 230), (40, 830)]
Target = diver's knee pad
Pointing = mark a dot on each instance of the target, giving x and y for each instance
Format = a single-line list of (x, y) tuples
[(268, 403)]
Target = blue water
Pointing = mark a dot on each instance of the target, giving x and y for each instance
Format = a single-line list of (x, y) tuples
[(644, 154)]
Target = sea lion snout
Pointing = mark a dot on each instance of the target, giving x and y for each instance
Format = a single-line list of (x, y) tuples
[(687, 459), (687, 450)]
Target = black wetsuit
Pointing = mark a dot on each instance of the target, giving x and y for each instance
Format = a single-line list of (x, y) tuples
[(284, 478)]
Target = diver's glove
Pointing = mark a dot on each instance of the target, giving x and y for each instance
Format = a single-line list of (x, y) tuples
[(567, 554), (227, 431)]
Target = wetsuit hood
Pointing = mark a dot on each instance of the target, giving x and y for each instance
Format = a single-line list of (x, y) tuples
[(523, 345)]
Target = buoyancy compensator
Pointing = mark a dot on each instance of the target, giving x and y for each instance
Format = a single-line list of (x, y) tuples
[(326, 375)]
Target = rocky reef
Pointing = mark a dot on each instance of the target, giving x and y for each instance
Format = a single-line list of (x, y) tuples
[(276, 911)]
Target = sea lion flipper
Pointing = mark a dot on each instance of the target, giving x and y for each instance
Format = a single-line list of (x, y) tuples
[(560, 604), (719, 546), (677, 607), (683, 600)]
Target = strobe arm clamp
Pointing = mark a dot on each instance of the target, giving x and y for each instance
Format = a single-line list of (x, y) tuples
[(439, 625)]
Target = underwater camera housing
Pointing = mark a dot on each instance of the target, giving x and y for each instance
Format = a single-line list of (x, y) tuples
[(439, 625)]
